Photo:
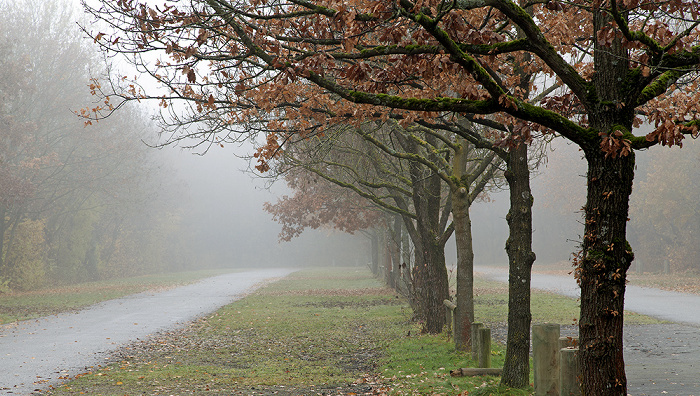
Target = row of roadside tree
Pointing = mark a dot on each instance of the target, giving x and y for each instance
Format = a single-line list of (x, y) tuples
[(449, 93)]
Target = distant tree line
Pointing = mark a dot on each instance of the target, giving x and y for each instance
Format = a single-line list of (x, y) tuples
[(664, 212), (77, 203)]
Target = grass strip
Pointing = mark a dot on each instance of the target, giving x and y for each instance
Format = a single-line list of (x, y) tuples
[(18, 306), (316, 332), (491, 306)]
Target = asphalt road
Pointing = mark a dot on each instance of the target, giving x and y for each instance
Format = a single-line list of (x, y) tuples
[(37, 353), (660, 359)]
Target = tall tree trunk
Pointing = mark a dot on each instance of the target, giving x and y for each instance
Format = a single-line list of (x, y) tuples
[(387, 257), (464, 314), (406, 266), (516, 368), (375, 253), (605, 259), (432, 287), (606, 255), (3, 230), (396, 251)]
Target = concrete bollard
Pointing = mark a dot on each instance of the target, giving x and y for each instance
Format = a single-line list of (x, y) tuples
[(566, 342), (545, 358), (449, 316), (568, 372), (484, 347), (475, 340)]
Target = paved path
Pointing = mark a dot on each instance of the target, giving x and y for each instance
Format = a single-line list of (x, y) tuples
[(672, 306), (661, 359), (37, 353)]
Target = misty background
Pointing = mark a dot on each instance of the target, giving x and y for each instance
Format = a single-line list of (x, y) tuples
[(87, 202)]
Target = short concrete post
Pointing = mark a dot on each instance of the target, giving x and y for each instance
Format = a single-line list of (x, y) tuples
[(484, 347), (568, 372), (449, 316), (566, 342), (545, 358), (475, 340)]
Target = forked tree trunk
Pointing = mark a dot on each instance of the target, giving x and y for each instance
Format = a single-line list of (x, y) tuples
[(431, 286), (516, 368), (606, 257)]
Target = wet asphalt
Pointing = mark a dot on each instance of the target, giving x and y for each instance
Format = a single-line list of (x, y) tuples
[(660, 359), (36, 354)]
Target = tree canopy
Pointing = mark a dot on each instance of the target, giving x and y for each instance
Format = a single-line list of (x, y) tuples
[(276, 66)]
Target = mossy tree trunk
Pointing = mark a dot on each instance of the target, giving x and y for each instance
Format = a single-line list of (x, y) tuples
[(605, 259), (468, 181), (431, 287), (464, 313), (516, 368), (605, 256)]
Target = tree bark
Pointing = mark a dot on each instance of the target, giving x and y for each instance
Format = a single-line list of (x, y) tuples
[(433, 287), (396, 252), (516, 368), (606, 255), (464, 313), (375, 253), (604, 261), (466, 178), (387, 257)]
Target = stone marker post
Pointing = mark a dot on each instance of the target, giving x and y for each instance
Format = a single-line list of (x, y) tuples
[(475, 340), (484, 347), (545, 358), (568, 367), (568, 372), (450, 317)]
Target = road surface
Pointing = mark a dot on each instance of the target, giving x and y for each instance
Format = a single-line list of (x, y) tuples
[(661, 304), (37, 353), (660, 359)]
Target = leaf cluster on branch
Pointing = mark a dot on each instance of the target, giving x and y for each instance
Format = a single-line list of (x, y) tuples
[(303, 65)]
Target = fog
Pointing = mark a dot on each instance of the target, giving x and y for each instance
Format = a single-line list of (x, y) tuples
[(663, 215), (85, 200), (92, 202), (224, 216)]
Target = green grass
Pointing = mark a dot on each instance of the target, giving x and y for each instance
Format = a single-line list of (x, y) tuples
[(422, 364), (299, 333), (320, 331), (29, 305), (491, 306), (313, 332)]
